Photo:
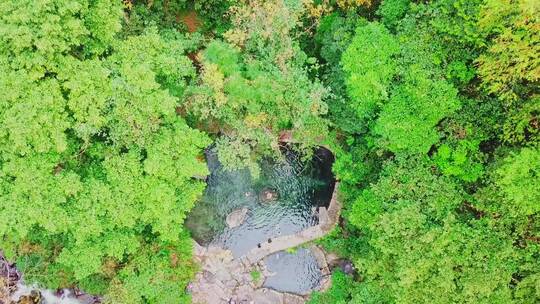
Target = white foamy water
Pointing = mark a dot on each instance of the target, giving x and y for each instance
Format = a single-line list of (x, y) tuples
[(48, 296)]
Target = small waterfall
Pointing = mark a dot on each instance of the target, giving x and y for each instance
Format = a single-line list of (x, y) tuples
[(47, 296)]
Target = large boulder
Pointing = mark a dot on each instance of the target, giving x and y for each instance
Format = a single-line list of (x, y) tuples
[(237, 217)]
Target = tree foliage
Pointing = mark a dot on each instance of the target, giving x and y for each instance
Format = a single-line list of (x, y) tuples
[(419, 248), (399, 88), (439, 181), (96, 167), (432, 110), (518, 179), (256, 85), (512, 60)]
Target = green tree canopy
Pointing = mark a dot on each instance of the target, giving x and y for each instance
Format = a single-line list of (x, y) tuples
[(96, 168), (420, 249), (510, 67), (519, 178), (397, 87), (257, 84)]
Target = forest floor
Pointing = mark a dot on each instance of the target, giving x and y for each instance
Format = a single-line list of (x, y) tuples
[(191, 20)]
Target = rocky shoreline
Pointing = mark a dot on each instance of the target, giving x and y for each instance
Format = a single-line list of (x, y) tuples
[(226, 280)]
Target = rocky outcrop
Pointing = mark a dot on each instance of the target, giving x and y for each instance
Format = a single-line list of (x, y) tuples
[(236, 218), (225, 280)]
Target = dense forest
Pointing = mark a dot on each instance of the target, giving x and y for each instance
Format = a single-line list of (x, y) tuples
[(432, 109)]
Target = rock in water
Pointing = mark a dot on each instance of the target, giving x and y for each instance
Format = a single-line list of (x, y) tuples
[(268, 195), (237, 217)]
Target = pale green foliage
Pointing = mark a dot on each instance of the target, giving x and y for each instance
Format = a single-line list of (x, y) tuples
[(408, 109), (522, 123), (88, 90), (510, 67), (407, 123), (159, 275), (419, 251), (32, 115), (251, 96), (460, 161), (445, 263), (511, 198), (370, 64), (265, 30), (391, 11), (455, 21), (32, 33), (400, 186), (518, 178), (140, 112), (510, 64), (460, 226)]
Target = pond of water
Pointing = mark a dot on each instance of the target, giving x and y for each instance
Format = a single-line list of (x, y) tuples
[(295, 272), (296, 186)]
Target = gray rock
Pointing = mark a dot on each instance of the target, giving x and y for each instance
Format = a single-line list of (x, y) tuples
[(325, 284), (231, 284), (319, 256), (223, 275), (324, 218), (208, 276), (292, 299), (244, 293), (267, 296), (237, 217), (331, 258)]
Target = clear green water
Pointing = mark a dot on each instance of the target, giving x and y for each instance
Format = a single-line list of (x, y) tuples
[(296, 272), (300, 186)]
